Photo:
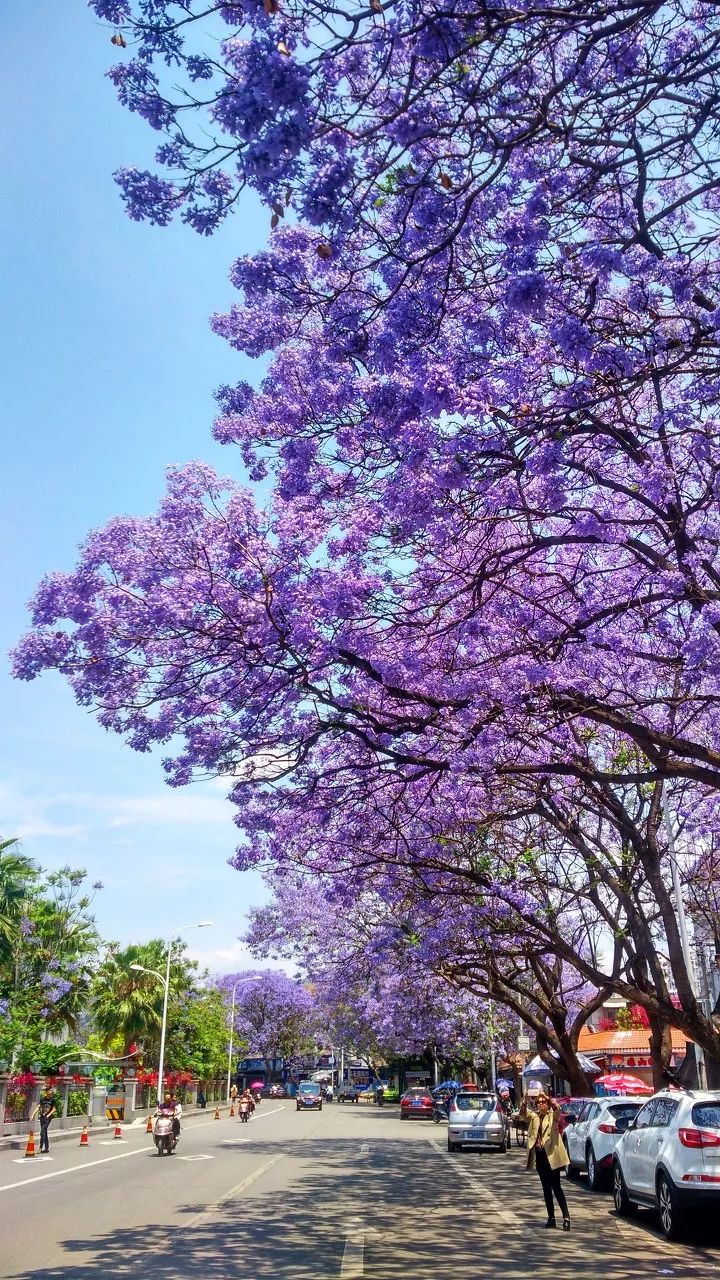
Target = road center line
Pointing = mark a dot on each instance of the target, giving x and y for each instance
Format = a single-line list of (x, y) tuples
[(231, 1194)]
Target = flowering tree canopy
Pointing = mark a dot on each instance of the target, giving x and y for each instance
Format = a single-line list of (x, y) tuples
[(486, 592), (274, 1017)]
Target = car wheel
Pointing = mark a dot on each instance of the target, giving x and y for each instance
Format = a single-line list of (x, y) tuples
[(594, 1175), (453, 1146), (320, 1107), (403, 1115), (571, 1172), (503, 1149), (670, 1219), (297, 1106), (623, 1205)]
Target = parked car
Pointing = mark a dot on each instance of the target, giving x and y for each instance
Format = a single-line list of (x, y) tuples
[(476, 1119), (669, 1158), (308, 1096), (570, 1109), (592, 1138), (417, 1104)]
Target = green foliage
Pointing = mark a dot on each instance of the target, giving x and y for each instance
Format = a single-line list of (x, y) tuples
[(48, 944), (127, 1004), (77, 1102), (198, 1035)]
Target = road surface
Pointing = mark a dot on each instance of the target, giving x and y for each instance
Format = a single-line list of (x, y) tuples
[(344, 1194)]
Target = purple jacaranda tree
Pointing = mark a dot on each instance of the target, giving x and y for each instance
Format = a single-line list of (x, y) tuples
[(486, 588), (274, 1017), (374, 989), (424, 962)]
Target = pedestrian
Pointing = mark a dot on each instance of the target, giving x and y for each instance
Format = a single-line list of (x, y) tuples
[(546, 1150), (46, 1109), (201, 1100), (233, 1093)]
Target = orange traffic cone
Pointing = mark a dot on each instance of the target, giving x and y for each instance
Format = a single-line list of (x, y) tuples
[(118, 1132), (30, 1148), (232, 1108), (149, 1125), (217, 1113), (84, 1139)]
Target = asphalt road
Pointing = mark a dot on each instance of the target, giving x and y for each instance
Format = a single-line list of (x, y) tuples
[(344, 1194)]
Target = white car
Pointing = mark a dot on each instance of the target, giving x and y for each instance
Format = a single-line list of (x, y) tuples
[(669, 1158), (476, 1119), (590, 1139)]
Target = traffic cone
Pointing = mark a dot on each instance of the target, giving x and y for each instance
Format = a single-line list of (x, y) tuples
[(149, 1125), (118, 1132), (84, 1139), (232, 1109), (30, 1148), (217, 1113)]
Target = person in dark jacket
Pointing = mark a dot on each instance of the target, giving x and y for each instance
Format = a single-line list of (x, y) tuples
[(46, 1110)]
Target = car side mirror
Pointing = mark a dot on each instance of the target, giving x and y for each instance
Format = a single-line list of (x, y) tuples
[(630, 1125), (571, 1119)]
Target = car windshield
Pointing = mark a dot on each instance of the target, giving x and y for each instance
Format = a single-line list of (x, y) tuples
[(707, 1114), (474, 1102), (309, 1088), (417, 1093)]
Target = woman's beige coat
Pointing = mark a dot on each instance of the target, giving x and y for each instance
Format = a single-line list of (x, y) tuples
[(554, 1146)]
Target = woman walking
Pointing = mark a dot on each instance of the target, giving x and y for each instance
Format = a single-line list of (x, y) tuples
[(546, 1150)]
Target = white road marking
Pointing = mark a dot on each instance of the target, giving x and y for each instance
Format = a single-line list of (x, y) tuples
[(353, 1259), (195, 1157), (231, 1194), (22, 1159), (121, 1155), (58, 1173), (364, 1148), (506, 1215), (110, 1142)]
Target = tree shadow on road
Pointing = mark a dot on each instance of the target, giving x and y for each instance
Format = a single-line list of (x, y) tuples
[(419, 1217)]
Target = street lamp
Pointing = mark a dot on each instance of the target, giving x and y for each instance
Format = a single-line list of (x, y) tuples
[(255, 977), (140, 968)]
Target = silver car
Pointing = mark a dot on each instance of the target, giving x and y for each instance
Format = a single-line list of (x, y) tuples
[(476, 1119)]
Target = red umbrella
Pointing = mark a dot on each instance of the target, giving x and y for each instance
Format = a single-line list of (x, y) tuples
[(623, 1082)]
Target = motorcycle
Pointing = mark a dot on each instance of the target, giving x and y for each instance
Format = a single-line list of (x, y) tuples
[(164, 1134), (441, 1109), (244, 1109)]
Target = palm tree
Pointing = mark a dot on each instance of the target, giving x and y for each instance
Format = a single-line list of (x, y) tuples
[(127, 1003), (17, 875)]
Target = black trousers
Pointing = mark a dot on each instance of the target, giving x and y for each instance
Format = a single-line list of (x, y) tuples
[(44, 1125), (550, 1179)]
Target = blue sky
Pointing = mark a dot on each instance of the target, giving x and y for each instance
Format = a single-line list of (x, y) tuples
[(107, 368)]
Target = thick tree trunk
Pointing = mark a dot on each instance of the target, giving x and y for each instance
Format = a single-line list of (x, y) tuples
[(660, 1049)]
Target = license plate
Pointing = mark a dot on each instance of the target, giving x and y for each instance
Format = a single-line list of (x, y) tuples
[(416, 1104), (475, 1133)]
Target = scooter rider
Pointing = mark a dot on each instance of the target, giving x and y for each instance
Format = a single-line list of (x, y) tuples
[(171, 1106)]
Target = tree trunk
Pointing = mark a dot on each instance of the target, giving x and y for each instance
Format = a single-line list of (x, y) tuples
[(660, 1049)]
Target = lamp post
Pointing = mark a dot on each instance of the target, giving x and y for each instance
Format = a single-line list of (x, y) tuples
[(140, 968), (254, 977)]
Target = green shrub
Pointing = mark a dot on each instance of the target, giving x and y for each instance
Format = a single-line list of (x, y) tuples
[(78, 1102)]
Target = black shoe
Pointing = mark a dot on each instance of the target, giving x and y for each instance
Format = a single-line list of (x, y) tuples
[(551, 1222), (566, 1224)]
